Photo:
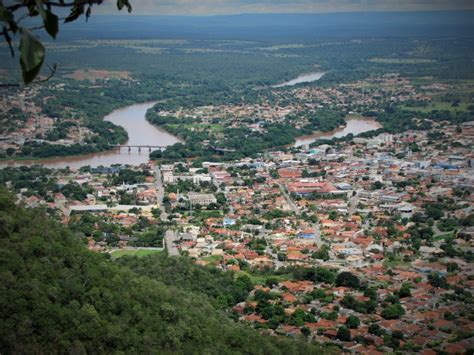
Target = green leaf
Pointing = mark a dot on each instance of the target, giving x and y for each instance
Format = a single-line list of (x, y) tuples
[(32, 54), (51, 24), (122, 3), (76, 11), (40, 9), (50, 20), (7, 17), (32, 10)]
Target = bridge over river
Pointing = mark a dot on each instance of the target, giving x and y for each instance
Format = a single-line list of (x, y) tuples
[(139, 147)]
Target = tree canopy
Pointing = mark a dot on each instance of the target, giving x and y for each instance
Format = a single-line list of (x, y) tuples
[(56, 296), (347, 279), (31, 49)]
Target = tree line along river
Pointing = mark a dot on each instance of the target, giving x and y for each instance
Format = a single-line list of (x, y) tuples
[(141, 132)]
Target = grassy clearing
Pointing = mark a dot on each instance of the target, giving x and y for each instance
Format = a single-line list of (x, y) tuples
[(133, 252), (262, 279), (444, 236), (395, 262), (213, 259)]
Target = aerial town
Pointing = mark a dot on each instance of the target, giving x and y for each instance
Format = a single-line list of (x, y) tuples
[(237, 177), (34, 125), (24, 120), (366, 243)]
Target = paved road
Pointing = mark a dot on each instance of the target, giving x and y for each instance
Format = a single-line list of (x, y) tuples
[(170, 235), (289, 200), (269, 251), (160, 193), (353, 201), (170, 238), (317, 234)]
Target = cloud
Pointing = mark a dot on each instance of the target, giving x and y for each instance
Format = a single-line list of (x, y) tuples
[(219, 7)]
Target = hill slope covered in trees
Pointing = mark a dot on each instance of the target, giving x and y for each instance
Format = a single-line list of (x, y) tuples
[(56, 296)]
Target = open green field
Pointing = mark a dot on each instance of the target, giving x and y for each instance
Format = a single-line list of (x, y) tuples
[(133, 252), (444, 236), (213, 259), (397, 261), (262, 279), (204, 214)]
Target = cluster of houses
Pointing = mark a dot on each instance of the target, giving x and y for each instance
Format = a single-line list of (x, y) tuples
[(353, 208), (359, 207), (281, 105), (76, 192), (394, 212), (429, 323), (362, 185), (23, 121)]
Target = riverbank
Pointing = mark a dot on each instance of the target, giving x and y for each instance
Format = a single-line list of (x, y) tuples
[(292, 137), (146, 130), (300, 79), (140, 132), (355, 126), (31, 160)]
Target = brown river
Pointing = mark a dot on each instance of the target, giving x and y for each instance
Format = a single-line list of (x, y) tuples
[(353, 125), (140, 132)]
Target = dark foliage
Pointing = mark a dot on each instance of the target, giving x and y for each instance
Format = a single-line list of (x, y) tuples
[(58, 297)]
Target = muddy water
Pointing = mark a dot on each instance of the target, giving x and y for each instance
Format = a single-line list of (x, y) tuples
[(354, 126), (140, 132)]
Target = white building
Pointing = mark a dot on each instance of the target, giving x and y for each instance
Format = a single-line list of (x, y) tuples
[(201, 199)]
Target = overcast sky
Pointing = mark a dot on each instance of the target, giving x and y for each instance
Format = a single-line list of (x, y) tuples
[(219, 7)]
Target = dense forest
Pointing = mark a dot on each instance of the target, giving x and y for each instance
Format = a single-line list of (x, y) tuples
[(56, 296)]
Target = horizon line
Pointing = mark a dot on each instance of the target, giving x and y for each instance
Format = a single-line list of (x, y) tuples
[(335, 12)]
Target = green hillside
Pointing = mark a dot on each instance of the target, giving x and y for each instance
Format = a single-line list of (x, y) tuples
[(56, 296)]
